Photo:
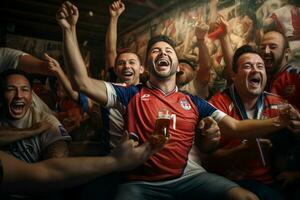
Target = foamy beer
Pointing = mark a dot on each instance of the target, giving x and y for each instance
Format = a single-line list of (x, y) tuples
[(161, 130)]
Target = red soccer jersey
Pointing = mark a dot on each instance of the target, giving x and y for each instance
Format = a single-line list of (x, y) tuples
[(140, 105), (287, 85), (256, 170)]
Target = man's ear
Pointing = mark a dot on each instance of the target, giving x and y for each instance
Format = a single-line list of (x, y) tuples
[(287, 52), (142, 69)]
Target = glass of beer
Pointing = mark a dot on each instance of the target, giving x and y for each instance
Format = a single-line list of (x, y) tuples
[(160, 133)]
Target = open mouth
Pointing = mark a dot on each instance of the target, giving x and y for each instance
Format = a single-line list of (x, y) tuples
[(162, 62), (255, 81), (268, 59), (17, 107), (179, 73), (127, 74)]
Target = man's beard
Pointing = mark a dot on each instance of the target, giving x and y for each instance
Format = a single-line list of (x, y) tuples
[(274, 68), (159, 75)]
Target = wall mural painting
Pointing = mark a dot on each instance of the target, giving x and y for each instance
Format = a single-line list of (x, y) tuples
[(246, 20)]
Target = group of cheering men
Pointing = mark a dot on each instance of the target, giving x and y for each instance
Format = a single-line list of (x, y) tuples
[(231, 129)]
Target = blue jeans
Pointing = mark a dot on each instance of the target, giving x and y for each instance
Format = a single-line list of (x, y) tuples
[(200, 186), (263, 191)]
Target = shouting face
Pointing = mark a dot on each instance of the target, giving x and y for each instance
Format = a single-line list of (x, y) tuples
[(128, 68), (185, 75), (250, 79), (273, 51), (162, 60), (17, 96)]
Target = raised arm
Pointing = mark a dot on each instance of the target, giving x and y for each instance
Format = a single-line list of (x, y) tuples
[(226, 47), (10, 135), (30, 64), (13, 58), (95, 89), (203, 73), (54, 174), (115, 10), (54, 66)]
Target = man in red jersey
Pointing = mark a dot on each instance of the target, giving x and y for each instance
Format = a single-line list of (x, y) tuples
[(170, 172), (283, 77), (237, 159)]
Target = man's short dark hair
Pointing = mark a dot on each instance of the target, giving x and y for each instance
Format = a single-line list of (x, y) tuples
[(239, 52), (160, 38), (193, 66), (7, 73), (127, 50)]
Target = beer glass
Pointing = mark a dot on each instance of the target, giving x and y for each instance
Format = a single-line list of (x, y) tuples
[(161, 130)]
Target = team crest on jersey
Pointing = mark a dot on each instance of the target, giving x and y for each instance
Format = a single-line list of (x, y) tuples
[(185, 104)]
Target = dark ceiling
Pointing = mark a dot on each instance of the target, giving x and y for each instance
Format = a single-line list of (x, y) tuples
[(36, 18)]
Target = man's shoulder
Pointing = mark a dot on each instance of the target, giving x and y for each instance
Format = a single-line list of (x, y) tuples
[(273, 98), (39, 115), (223, 97), (289, 69), (290, 75), (293, 69), (124, 86)]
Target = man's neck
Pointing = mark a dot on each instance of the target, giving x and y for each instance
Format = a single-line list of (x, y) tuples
[(134, 82), (282, 65), (166, 84), (249, 103)]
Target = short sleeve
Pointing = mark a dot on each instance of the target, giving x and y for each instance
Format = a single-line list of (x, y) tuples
[(9, 58), (54, 133), (119, 95), (206, 109), (83, 102)]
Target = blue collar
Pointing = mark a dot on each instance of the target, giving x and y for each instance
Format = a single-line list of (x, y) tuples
[(240, 106)]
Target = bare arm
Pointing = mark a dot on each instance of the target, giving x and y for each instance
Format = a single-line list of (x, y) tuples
[(95, 89), (203, 55), (115, 10), (54, 174), (54, 66), (30, 64), (226, 48), (10, 135), (58, 149), (251, 128), (213, 12)]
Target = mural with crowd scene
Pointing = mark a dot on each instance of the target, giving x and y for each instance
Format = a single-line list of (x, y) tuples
[(246, 20)]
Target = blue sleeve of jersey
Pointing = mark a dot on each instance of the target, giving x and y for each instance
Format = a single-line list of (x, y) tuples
[(83, 102), (125, 94), (205, 109)]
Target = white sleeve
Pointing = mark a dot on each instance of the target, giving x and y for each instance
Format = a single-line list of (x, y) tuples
[(9, 58), (112, 99), (218, 115)]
